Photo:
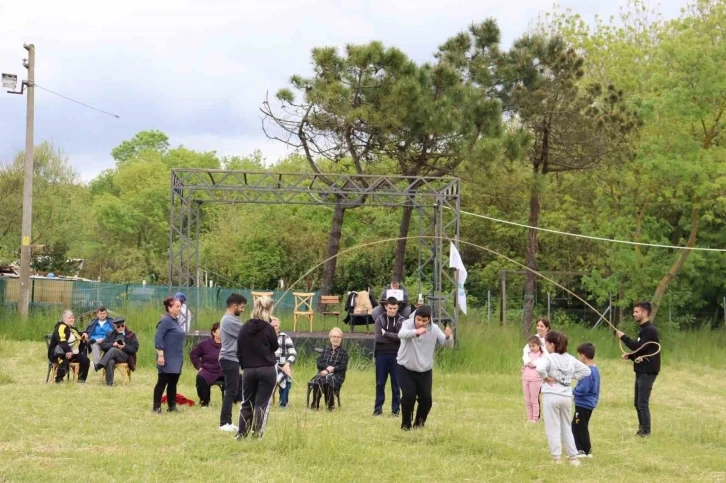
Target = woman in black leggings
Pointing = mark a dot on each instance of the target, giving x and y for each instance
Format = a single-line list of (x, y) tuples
[(169, 343)]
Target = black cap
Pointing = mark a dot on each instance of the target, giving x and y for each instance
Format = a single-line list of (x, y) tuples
[(119, 321)]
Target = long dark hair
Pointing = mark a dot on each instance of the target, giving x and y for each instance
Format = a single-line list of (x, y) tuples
[(558, 339)]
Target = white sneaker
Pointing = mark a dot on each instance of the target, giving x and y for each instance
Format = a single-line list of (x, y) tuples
[(574, 462), (582, 454), (229, 428)]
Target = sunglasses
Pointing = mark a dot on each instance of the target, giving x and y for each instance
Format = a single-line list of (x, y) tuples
[(120, 325)]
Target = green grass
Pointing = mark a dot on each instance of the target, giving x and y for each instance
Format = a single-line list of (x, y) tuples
[(476, 430)]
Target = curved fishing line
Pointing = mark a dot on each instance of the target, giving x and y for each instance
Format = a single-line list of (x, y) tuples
[(489, 250)]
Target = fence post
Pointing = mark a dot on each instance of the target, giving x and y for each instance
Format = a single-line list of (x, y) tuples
[(549, 311), (32, 292), (724, 310), (489, 306)]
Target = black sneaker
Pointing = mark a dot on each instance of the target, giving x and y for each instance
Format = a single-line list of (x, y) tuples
[(377, 412), (643, 434), (156, 410), (396, 414), (239, 437), (172, 409)]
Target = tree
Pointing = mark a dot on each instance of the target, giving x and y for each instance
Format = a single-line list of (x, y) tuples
[(155, 141), (572, 127)]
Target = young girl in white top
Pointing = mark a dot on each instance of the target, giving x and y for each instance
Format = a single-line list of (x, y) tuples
[(558, 369), (531, 382), (543, 326)]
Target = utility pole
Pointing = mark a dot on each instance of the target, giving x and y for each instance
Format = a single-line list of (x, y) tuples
[(25, 252)]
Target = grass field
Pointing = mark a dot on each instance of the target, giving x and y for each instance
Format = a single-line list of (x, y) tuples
[(476, 430)]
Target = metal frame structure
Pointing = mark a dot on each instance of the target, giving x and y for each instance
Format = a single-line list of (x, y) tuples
[(435, 200)]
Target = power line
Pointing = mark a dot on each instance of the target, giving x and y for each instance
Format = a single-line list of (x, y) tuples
[(589, 237), (77, 102)]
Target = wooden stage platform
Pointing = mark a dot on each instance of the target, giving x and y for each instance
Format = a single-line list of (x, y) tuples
[(358, 342)]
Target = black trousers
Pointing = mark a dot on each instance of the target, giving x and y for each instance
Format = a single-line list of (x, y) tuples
[(168, 382), (325, 387), (204, 390), (64, 366), (109, 360), (414, 386), (258, 385), (232, 390), (581, 430), (643, 388)]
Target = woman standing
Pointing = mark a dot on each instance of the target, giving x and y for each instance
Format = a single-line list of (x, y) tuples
[(205, 359), (169, 343), (256, 346), (543, 326)]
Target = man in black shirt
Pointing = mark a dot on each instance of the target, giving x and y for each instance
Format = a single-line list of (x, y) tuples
[(646, 363)]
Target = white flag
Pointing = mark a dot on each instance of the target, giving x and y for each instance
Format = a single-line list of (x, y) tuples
[(455, 262)]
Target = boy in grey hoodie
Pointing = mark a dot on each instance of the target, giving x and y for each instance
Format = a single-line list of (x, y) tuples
[(415, 361), (558, 369)]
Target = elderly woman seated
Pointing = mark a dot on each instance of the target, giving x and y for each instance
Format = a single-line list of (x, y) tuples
[(68, 344), (332, 364)]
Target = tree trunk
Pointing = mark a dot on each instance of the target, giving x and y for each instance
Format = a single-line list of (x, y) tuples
[(530, 286), (678, 265), (400, 260), (333, 247)]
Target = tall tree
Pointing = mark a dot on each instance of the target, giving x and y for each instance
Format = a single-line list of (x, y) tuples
[(573, 128)]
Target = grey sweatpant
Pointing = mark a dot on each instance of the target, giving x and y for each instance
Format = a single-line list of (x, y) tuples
[(558, 416)]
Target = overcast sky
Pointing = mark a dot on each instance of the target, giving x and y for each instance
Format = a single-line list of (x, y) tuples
[(198, 71)]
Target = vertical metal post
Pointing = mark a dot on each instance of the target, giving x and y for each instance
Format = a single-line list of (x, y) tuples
[(489, 306), (27, 220), (549, 304), (503, 298)]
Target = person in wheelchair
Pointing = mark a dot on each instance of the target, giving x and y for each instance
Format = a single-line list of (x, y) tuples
[(397, 291), (332, 364), (68, 344)]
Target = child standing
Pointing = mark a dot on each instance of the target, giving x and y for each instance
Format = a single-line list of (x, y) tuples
[(586, 394), (531, 382), (558, 369)]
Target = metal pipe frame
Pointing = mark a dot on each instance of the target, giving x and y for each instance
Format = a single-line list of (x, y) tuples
[(436, 200)]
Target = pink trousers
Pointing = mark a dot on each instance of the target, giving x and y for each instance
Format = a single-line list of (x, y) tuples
[(531, 398)]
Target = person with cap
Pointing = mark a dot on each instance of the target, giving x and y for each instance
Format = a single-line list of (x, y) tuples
[(97, 331), (185, 316), (119, 346)]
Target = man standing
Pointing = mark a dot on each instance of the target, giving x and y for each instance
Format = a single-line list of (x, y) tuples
[(285, 355), (385, 352), (229, 328), (415, 362), (646, 363), (120, 346), (97, 331)]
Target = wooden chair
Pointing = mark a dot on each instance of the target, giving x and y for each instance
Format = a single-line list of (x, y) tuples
[(123, 369), (326, 301), (256, 295), (75, 367), (303, 299)]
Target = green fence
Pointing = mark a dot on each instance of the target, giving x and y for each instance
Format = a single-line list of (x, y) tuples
[(83, 296)]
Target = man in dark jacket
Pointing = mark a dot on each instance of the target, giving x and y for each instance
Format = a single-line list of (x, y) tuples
[(120, 346), (646, 363), (386, 350)]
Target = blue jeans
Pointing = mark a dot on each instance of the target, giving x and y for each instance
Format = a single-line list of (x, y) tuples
[(284, 394), (386, 364)]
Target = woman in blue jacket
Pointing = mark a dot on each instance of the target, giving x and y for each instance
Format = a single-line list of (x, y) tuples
[(169, 343)]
